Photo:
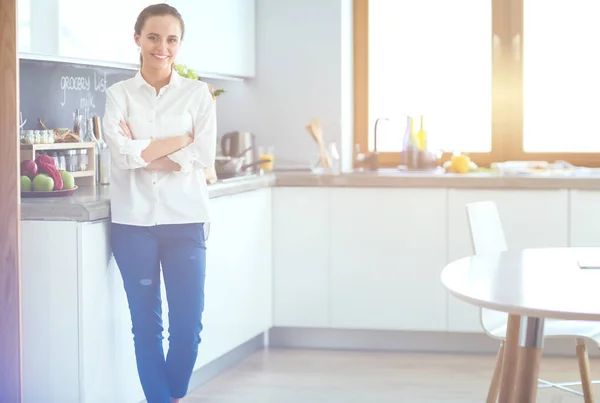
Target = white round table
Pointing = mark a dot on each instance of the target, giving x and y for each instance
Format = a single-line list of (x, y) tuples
[(530, 285)]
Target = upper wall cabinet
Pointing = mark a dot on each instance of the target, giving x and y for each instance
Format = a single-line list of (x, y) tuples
[(59, 29), (219, 36), (102, 34)]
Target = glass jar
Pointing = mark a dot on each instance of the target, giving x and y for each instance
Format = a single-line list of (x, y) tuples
[(29, 138), (54, 156), (37, 137), (62, 161), (82, 160), (50, 136), (104, 162), (71, 161)]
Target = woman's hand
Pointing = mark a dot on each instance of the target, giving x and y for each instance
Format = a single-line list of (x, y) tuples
[(125, 130)]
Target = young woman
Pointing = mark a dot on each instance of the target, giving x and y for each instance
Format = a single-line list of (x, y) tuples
[(161, 132)]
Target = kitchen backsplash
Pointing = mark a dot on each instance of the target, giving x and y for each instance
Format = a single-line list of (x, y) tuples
[(52, 91)]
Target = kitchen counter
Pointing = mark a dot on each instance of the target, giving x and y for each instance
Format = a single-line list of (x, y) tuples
[(394, 178), (91, 204)]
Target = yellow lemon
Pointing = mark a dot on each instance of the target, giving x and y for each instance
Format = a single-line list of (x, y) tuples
[(460, 163)]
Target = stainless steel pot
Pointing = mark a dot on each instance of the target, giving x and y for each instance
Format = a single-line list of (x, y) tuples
[(228, 165), (234, 166), (241, 144)]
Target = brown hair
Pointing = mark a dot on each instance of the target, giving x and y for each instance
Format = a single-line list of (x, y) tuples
[(157, 10)]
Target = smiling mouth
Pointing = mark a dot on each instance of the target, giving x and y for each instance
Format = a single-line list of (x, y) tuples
[(161, 57)]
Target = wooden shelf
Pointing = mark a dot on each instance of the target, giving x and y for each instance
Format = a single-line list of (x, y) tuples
[(86, 178), (57, 146), (81, 174)]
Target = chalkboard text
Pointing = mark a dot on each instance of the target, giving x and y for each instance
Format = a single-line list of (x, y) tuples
[(83, 84)]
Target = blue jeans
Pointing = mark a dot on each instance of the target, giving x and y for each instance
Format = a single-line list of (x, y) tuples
[(181, 251)]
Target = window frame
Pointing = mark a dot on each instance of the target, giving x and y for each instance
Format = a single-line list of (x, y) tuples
[(507, 91)]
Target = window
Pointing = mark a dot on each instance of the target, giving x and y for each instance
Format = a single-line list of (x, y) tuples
[(561, 76), (500, 79), (431, 58)]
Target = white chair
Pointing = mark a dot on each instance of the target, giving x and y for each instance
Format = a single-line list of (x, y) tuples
[(487, 236)]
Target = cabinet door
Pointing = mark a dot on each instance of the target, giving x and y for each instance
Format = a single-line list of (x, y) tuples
[(38, 30), (219, 37), (530, 218), (100, 33), (50, 312), (388, 248), (585, 220), (24, 25), (301, 233), (96, 335), (238, 274)]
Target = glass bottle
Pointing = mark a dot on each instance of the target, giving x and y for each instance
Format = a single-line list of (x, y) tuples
[(409, 148)]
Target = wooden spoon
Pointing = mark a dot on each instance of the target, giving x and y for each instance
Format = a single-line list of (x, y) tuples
[(317, 133)]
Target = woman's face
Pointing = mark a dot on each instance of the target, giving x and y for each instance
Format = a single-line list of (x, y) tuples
[(159, 41)]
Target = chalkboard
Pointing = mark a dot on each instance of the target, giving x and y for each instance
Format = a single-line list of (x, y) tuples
[(52, 91)]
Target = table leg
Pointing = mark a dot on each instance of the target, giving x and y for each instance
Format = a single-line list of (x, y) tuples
[(510, 360), (530, 354)]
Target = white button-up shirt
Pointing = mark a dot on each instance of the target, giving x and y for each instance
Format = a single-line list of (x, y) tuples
[(144, 197)]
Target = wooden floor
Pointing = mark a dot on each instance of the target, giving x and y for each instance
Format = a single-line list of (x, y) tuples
[(315, 376)]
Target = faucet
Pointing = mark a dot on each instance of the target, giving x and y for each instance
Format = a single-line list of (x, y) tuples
[(372, 158), (375, 134)]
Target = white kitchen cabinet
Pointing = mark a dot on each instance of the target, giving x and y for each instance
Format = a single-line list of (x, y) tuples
[(96, 319), (220, 36), (531, 218), (67, 312), (58, 29), (24, 25), (301, 233), (85, 35), (38, 26), (388, 248), (50, 320), (220, 39), (585, 220), (238, 297)]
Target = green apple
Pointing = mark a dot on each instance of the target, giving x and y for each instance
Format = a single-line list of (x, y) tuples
[(25, 184), (43, 183), (68, 180)]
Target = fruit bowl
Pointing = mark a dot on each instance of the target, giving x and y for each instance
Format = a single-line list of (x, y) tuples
[(53, 193)]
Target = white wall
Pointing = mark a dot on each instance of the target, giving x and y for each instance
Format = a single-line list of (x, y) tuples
[(304, 70)]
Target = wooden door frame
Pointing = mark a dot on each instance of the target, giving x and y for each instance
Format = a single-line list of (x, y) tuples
[(10, 212)]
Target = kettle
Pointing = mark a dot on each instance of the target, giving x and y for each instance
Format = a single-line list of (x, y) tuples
[(241, 145)]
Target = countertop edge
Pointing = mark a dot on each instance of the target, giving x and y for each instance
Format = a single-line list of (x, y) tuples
[(58, 209), (96, 205), (455, 181)]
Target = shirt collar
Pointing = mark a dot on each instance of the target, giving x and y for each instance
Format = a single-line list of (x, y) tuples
[(174, 81)]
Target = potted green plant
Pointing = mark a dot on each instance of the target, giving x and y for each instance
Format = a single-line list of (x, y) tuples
[(185, 71)]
